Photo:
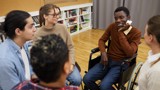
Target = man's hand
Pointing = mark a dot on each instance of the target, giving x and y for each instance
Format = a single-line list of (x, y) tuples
[(104, 59), (125, 27), (34, 78)]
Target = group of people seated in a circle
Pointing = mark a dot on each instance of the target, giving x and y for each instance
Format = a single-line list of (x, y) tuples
[(50, 63)]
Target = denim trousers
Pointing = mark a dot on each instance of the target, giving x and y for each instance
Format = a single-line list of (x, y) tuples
[(74, 77), (107, 74)]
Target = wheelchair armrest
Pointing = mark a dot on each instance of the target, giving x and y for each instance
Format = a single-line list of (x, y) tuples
[(94, 50), (130, 59), (78, 67)]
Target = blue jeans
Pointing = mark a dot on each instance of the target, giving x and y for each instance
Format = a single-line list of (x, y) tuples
[(107, 74), (75, 78)]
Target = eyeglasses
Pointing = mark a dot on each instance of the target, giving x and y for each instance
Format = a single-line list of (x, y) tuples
[(54, 15)]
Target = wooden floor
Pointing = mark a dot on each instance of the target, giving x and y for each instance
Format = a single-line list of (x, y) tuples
[(87, 40)]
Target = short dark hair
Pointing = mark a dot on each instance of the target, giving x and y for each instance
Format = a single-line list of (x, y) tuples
[(154, 27), (15, 19), (122, 9), (48, 56)]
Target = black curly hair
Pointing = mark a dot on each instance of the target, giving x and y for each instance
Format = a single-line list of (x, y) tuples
[(48, 55)]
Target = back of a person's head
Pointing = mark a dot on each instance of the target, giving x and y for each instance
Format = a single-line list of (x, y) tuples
[(15, 19), (154, 27), (44, 10), (48, 56), (124, 9)]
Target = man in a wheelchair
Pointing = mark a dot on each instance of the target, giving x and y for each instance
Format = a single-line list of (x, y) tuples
[(124, 44)]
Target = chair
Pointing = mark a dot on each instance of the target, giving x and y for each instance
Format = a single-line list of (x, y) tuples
[(125, 75), (2, 35), (133, 82)]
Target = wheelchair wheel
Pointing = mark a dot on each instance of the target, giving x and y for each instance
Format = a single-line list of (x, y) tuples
[(133, 82)]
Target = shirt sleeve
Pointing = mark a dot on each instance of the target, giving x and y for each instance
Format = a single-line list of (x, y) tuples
[(131, 47), (70, 45), (8, 76), (104, 38)]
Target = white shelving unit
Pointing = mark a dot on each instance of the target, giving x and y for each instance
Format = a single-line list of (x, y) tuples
[(77, 18)]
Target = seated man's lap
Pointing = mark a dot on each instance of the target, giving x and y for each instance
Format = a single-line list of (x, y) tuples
[(109, 75), (96, 73)]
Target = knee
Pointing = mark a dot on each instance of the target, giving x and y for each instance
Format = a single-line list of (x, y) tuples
[(75, 78), (77, 81), (87, 79)]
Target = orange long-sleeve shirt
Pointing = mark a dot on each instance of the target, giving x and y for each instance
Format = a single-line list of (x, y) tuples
[(122, 46)]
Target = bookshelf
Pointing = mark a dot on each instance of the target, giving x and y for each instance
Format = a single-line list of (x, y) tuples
[(76, 18)]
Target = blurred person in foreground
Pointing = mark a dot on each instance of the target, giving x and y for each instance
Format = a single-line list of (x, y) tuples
[(14, 54), (150, 71), (51, 64)]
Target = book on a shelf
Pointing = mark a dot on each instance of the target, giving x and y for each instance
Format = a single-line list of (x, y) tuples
[(84, 25), (36, 19), (73, 20), (66, 14), (61, 21), (81, 19), (80, 27), (83, 11), (73, 29), (72, 12)]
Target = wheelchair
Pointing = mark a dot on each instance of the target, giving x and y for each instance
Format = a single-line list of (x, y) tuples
[(128, 75), (133, 82)]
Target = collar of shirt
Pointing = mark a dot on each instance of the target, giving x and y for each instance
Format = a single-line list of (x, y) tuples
[(51, 28), (14, 45), (152, 57), (128, 30)]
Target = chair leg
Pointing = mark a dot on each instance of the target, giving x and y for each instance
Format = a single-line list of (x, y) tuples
[(123, 88), (85, 88), (82, 86)]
